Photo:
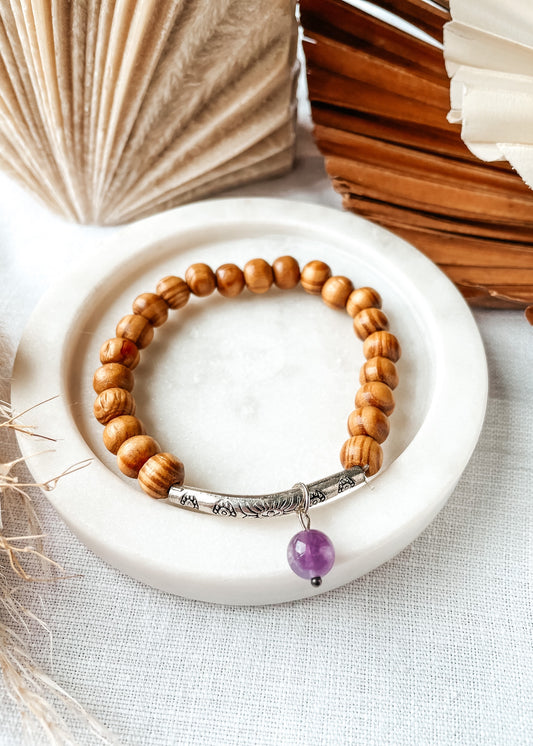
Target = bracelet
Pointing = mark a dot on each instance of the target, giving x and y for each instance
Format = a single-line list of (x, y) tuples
[(310, 552)]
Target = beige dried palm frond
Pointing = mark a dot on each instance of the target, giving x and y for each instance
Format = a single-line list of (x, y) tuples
[(112, 111)]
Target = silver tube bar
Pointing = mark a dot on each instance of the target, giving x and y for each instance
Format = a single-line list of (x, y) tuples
[(266, 506)]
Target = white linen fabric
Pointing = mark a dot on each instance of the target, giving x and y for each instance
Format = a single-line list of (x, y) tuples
[(434, 647)]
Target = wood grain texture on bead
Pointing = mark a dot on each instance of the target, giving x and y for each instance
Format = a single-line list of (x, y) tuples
[(382, 344), (379, 369), (134, 453), (152, 307), (362, 450), (201, 279), (258, 276), (375, 394), (369, 421), (286, 272), (159, 473), (139, 455), (369, 320), (230, 280), (314, 275), (360, 298), (120, 350), (113, 403), (112, 375), (120, 429), (174, 291), (135, 328), (336, 290)]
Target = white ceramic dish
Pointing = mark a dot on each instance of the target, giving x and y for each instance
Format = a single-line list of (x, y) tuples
[(253, 395)]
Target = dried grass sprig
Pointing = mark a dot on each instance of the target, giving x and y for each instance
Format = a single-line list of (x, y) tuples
[(22, 558)]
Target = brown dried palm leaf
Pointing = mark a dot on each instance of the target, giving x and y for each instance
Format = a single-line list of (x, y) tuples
[(379, 96)]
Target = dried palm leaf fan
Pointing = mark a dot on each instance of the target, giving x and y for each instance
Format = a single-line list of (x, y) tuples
[(112, 110), (380, 98)]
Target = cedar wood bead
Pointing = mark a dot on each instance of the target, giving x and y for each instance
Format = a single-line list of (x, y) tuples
[(111, 376), (120, 429), (314, 275), (362, 450), (113, 403), (375, 394), (379, 369), (335, 291), (120, 350), (159, 473), (362, 298), (135, 452), (201, 279), (286, 272), (368, 321), (174, 291), (138, 455), (152, 307), (369, 421), (258, 276), (135, 328), (382, 344), (230, 280)]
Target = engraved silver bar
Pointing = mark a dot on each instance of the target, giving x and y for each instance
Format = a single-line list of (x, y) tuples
[(266, 506)]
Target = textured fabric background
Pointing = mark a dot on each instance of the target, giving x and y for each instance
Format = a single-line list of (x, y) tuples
[(432, 648)]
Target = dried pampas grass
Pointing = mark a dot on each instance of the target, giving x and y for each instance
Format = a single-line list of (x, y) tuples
[(23, 562)]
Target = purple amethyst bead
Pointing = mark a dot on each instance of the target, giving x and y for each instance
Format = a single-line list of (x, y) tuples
[(310, 554)]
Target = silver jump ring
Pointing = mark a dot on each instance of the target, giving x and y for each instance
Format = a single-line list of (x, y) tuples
[(303, 510)]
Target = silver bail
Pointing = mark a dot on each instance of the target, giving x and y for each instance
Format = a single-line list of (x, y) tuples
[(303, 510)]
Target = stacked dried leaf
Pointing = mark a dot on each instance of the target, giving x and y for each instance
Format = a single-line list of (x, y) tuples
[(110, 111), (380, 98)]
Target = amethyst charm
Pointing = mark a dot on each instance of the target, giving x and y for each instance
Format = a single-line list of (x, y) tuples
[(311, 555)]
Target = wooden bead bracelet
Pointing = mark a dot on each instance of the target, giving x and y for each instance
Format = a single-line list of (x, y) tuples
[(161, 475)]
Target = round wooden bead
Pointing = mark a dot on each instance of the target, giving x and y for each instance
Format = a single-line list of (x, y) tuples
[(119, 350), (375, 394), (201, 279), (135, 328), (286, 272), (174, 291), (159, 473), (258, 276), (230, 280), (362, 298), (368, 321), (369, 421), (113, 403), (134, 453), (362, 450), (152, 307), (112, 375), (314, 275), (120, 429), (382, 344), (335, 291), (379, 369)]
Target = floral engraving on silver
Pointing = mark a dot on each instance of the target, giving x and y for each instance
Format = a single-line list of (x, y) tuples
[(346, 483), (224, 507), (317, 496), (189, 501), (266, 506)]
